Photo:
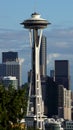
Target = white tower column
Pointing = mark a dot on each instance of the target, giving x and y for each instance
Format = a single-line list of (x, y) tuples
[(38, 89)]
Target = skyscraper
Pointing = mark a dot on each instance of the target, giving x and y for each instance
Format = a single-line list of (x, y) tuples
[(51, 98), (11, 68), (62, 76), (64, 102), (9, 56), (43, 57)]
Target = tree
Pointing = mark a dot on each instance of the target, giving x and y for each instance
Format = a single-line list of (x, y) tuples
[(13, 105)]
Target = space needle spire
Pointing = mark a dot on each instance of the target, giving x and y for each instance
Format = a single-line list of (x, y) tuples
[(35, 109)]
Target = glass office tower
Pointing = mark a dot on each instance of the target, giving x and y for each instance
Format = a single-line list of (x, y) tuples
[(62, 76)]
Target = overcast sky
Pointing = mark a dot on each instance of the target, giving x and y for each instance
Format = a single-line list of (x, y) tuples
[(13, 37)]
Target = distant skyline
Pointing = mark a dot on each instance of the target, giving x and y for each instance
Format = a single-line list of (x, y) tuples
[(59, 34)]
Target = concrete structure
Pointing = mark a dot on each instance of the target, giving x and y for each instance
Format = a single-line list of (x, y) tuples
[(9, 56), (62, 75), (10, 81), (52, 124), (68, 125), (64, 103), (35, 104)]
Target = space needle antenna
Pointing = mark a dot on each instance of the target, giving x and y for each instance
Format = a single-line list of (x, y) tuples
[(30, 30), (35, 110), (35, 6)]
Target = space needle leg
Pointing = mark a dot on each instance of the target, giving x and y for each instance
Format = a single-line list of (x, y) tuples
[(38, 89)]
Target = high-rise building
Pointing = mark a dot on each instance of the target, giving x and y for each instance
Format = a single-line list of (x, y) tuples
[(64, 103), (72, 105), (10, 81), (57, 100), (43, 57), (62, 76), (51, 98), (11, 68), (9, 56)]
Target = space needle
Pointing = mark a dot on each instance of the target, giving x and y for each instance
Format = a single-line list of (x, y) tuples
[(35, 110)]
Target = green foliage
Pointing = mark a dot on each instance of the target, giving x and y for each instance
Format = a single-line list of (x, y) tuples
[(13, 105)]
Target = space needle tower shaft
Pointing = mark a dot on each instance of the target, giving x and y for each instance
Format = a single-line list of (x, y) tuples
[(35, 109)]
